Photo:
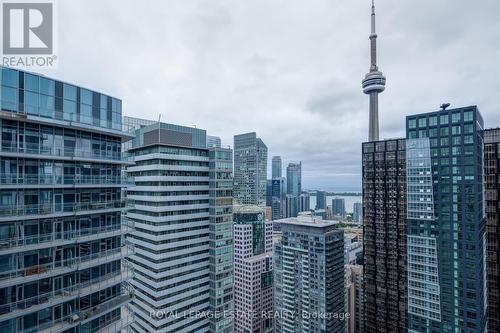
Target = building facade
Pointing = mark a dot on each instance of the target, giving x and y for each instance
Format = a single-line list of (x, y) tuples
[(182, 210), (61, 235), (250, 170), (221, 237), (384, 236), (304, 202), (354, 298), (446, 221), (277, 167), (309, 276), (492, 194), (357, 215), (320, 200), (253, 271), (278, 198), (294, 179), (338, 207)]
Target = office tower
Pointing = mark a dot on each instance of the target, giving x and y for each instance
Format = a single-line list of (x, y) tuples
[(291, 205), (338, 207), (357, 215), (221, 238), (250, 170), (384, 240), (373, 83), (294, 179), (61, 244), (278, 201), (182, 213), (213, 142), (492, 176), (320, 200), (253, 274), (304, 202), (354, 298), (276, 163), (446, 221), (309, 276), (269, 192)]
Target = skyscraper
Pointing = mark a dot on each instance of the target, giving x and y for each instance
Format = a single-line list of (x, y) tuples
[(278, 200), (294, 179), (221, 237), (309, 276), (338, 207), (304, 202), (355, 298), (373, 83), (61, 234), (492, 176), (320, 200), (250, 170), (357, 215), (253, 274), (384, 236), (182, 210), (276, 163), (446, 221), (293, 188)]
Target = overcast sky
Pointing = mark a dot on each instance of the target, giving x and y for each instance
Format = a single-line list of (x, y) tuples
[(289, 70)]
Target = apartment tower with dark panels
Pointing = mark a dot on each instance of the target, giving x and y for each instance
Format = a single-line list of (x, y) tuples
[(384, 236)]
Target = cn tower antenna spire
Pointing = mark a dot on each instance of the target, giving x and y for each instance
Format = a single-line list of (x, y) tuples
[(374, 82)]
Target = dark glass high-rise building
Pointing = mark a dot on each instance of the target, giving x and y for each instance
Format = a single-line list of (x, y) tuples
[(384, 233), (446, 222), (492, 193)]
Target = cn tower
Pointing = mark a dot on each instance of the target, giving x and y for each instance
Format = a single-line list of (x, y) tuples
[(373, 83)]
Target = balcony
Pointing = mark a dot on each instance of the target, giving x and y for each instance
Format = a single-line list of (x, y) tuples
[(38, 272), (27, 243), (64, 181), (32, 304), (63, 152), (83, 316), (10, 211)]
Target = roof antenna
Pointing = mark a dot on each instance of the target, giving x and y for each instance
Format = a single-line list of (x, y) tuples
[(444, 106)]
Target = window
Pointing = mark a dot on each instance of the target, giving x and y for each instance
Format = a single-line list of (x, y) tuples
[(433, 121), (468, 116), (444, 119), (412, 123), (9, 98), (47, 86), (468, 128), (46, 106), (69, 110), (455, 130), (445, 131), (31, 102), (86, 96), (69, 92), (422, 122), (31, 82), (455, 117), (9, 77)]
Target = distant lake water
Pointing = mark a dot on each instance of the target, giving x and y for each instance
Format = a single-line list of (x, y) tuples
[(349, 201)]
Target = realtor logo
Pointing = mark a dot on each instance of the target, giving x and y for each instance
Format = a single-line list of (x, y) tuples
[(28, 34)]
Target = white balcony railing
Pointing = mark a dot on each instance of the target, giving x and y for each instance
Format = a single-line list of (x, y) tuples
[(56, 208)]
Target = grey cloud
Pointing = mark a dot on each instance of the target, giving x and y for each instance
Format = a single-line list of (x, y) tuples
[(289, 70)]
